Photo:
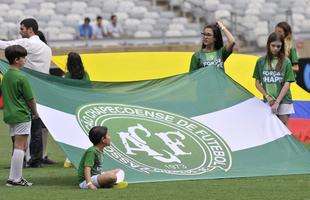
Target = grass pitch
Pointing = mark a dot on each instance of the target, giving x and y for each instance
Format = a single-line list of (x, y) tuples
[(58, 183)]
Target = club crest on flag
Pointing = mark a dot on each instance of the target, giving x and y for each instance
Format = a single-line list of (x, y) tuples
[(155, 141)]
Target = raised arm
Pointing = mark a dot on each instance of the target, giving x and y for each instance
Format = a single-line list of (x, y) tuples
[(230, 38), (23, 42)]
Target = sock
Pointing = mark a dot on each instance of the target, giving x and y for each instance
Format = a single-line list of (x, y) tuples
[(120, 175), (28, 149), (17, 165), (44, 141)]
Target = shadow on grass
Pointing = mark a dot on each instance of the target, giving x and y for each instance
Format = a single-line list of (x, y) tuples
[(64, 181), (48, 175)]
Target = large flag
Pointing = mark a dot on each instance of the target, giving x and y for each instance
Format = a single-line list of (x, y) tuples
[(155, 65), (201, 125)]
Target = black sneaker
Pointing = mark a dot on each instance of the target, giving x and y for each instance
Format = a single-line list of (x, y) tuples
[(22, 182), (48, 161), (33, 164)]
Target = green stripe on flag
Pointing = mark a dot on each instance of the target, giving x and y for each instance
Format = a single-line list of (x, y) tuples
[(281, 157), (196, 89)]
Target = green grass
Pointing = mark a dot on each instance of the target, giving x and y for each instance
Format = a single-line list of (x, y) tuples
[(55, 182)]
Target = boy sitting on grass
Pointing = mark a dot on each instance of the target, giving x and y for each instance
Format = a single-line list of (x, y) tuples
[(18, 105), (90, 172)]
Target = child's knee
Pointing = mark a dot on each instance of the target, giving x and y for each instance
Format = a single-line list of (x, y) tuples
[(113, 178), (20, 147)]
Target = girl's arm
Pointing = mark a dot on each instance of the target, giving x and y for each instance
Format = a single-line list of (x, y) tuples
[(264, 93), (230, 38), (283, 92), (293, 56), (295, 68)]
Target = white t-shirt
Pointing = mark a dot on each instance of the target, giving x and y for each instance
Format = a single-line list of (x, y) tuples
[(99, 31), (116, 31), (39, 55)]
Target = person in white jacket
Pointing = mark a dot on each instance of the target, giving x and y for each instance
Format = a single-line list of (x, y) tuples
[(38, 59)]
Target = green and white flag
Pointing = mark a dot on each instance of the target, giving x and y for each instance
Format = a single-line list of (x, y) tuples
[(201, 125)]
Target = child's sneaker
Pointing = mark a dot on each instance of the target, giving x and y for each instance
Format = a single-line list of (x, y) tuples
[(120, 185), (22, 182), (67, 163)]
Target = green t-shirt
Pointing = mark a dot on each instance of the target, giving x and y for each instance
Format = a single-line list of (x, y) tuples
[(205, 59), (273, 80), (92, 158), (293, 56), (0, 83), (16, 93), (85, 77)]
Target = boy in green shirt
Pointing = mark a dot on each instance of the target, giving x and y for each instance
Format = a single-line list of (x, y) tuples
[(18, 105), (90, 172)]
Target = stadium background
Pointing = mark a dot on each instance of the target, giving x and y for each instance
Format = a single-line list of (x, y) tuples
[(159, 25), (177, 28)]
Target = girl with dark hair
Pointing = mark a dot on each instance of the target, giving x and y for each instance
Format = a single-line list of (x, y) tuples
[(284, 29), (273, 73), (41, 35), (75, 67), (75, 71), (212, 52)]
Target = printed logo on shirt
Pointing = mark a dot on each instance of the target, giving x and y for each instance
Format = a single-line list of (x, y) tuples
[(272, 76), (155, 141), (216, 62)]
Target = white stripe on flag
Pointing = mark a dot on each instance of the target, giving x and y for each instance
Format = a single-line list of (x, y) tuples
[(245, 125), (242, 126), (64, 127)]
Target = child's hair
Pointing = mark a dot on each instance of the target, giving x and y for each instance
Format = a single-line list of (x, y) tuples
[(75, 66), (216, 34), (96, 133), (287, 36), (281, 56), (14, 52)]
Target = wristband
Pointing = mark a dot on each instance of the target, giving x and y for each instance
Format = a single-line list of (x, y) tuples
[(89, 183)]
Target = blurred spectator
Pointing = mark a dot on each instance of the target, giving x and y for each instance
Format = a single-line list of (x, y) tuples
[(86, 30), (114, 29), (99, 29)]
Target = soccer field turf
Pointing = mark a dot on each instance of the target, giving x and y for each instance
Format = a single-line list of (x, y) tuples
[(56, 182)]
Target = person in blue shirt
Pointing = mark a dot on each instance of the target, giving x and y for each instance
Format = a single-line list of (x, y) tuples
[(86, 30)]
